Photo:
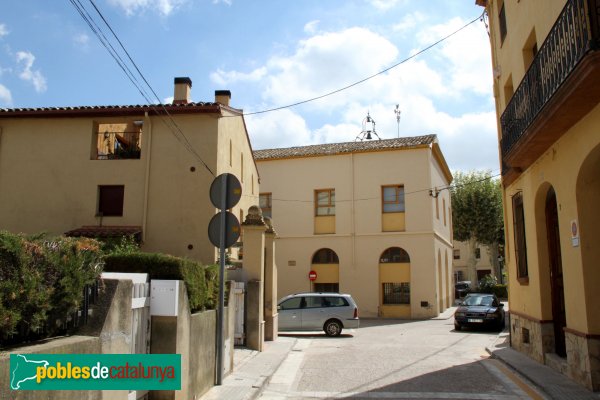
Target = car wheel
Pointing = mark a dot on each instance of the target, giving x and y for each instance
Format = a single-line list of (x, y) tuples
[(332, 328), (457, 326)]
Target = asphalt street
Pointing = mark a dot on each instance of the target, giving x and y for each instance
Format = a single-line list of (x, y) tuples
[(396, 359)]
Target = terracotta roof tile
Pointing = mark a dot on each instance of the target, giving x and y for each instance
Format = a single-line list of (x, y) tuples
[(105, 231), (343, 148), (112, 109)]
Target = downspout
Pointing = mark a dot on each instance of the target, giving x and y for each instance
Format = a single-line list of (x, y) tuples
[(352, 218), (147, 175)]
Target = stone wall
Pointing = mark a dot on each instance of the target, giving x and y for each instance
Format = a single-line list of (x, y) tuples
[(531, 337), (583, 357)]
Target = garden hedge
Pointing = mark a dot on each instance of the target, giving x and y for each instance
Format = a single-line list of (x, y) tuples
[(42, 281), (202, 282)]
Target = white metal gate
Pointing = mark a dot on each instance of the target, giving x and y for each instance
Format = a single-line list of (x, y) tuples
[(239, 334)]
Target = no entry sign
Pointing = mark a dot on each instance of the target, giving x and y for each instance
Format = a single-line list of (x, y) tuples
[(312, 275)]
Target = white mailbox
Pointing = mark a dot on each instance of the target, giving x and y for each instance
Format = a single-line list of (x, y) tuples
[(164, 298)]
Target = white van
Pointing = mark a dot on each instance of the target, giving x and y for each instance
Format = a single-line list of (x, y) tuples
[(330, 312)]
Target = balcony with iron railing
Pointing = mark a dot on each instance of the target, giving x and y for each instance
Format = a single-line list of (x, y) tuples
[(559, 88), (118, 145)]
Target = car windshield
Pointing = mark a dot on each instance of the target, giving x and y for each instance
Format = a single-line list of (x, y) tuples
[(485, 301)]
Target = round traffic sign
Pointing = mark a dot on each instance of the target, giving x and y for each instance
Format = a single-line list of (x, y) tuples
[(312, 275), (233, 190), (232, 229)]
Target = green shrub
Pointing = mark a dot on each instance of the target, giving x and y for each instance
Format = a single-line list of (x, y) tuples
[(42, 280), (501, 291), (487, 284), (201, 282)]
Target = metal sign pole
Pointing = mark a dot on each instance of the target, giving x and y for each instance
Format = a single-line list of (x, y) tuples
[(221, 307)]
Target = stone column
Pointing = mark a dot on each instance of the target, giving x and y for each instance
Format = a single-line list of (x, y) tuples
[(271, 324), (254, 260)]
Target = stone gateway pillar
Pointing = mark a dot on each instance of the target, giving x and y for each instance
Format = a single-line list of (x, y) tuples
[(254, 260), (271, 321)]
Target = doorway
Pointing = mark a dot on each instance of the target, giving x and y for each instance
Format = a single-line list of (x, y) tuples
[(556, 274)]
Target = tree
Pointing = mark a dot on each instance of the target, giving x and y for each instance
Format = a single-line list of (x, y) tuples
[(477, 216)]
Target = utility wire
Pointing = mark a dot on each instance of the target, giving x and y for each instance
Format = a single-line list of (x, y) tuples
[(430, 190), (106, 43), (423, 50), (189, 145)]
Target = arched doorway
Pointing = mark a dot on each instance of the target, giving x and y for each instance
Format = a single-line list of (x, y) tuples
[(326, 264), (588, 199), (556, 274), (394, 283)]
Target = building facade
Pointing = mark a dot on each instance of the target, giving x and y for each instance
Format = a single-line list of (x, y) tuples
[(547, 87), (109, 170), (364, 218), (461, 254)]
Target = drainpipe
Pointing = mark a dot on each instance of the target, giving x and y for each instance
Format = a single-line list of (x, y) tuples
[(147, 122), (352, 217)]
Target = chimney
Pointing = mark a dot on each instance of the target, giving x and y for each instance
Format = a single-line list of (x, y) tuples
[(183, 90), (223, 97)]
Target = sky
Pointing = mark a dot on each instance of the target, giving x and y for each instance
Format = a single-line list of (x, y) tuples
[(271, 53)]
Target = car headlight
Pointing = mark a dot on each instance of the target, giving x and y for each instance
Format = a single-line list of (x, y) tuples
[(459, 314), (493, 314)]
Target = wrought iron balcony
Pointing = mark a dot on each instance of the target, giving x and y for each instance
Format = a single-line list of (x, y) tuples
[(560, 87)]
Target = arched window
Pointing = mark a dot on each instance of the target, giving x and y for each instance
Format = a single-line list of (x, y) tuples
[(325, 256), (394, 255)]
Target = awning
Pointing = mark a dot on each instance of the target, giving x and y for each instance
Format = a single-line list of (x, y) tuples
[(108, 231)]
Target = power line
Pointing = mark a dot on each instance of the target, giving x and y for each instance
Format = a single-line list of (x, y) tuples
[(423, 50), (439, 189), (106, 43)]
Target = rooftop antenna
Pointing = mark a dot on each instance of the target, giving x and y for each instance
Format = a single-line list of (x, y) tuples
[(368, 128), (398, 112)]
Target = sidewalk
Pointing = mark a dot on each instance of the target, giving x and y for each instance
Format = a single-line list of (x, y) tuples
[(551, 383), (252, 371)]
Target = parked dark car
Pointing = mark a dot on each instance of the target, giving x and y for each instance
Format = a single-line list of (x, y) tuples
[(479, 310), (461, 289)]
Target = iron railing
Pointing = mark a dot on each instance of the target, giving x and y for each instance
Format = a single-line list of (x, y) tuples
[(118, 145), (574, 34)]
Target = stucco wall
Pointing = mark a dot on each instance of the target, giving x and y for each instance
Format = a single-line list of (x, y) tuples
[(558, 168), (166, 190), (359, 239)]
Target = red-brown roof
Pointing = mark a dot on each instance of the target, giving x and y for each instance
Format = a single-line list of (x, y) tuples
[(107, 231), (344, 148), (86, 111)]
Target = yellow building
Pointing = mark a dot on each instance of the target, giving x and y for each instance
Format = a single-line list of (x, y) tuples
[(361, 217), (547, 87), (108, 170), (461, 254)]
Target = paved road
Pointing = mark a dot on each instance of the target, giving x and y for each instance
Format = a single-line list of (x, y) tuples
[(392, 359)]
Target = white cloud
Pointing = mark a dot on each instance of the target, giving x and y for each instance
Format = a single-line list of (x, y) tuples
[(221, 77), (329, 61), (5, 96), (81, 39), (385, 5), (311, 27), (409, 22), (468, 55), (228, 2), (3, 30), (162, 7), (26, 59), (168, 100), (282, 128)]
